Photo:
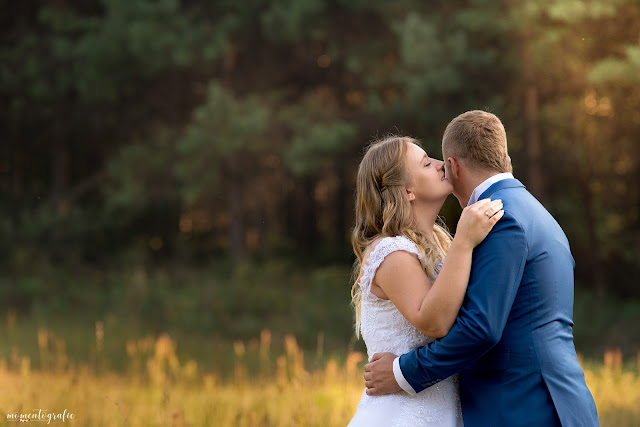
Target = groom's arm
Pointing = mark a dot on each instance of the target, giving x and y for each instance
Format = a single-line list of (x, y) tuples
[(498, 265)]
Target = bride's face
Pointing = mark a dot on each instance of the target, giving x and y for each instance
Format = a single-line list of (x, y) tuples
[(428, 183)]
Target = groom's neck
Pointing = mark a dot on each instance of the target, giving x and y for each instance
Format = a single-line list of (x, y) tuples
[(468, 182)]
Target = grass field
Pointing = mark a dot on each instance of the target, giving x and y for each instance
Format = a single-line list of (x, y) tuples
[(266, 386)]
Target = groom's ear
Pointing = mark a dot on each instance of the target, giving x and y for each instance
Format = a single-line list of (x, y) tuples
[(454, 167)]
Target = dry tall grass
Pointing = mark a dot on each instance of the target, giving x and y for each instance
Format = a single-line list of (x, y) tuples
[(160, 390)]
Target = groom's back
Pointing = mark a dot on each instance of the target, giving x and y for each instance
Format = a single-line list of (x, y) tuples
[(534, 367), (545, 294)]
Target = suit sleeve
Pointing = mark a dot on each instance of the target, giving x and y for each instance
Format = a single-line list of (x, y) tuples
[(496, 272)]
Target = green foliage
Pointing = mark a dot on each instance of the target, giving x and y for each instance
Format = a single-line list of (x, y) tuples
[(432, 57), (316, 134), (142, 172), (213, 301), (603, 323), (317, 143), (204, 126), (98, 58), (222, 127), (441, 49), (204, 307), (576, 10), (618, 70), (290, 20)]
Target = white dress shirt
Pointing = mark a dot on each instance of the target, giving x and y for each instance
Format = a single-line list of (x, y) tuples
[(477, 192), (484, 186)]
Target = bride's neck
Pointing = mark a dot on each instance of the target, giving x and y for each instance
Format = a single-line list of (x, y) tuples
[(425, 217)]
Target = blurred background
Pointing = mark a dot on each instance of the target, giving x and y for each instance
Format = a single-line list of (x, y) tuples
[(187, 167)]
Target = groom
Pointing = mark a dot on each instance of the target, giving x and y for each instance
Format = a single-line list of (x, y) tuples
[(512, 342)]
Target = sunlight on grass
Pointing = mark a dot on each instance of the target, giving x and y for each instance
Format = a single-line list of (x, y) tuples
[(262, 390)]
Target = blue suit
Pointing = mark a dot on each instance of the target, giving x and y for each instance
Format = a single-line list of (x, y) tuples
[(512, 342)]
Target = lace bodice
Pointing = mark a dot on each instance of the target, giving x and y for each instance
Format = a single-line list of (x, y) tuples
[(383, 327)]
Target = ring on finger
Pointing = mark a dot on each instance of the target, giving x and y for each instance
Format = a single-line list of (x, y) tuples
[(488, 214)]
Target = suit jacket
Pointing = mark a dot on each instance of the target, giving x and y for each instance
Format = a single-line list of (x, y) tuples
[(512, 342)]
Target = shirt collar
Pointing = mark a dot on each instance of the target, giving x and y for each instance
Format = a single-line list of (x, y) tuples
[(477, 192)]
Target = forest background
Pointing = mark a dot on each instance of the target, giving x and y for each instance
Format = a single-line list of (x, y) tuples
[(188, 166)]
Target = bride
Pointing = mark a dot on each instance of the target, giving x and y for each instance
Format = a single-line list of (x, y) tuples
[(405, 293)]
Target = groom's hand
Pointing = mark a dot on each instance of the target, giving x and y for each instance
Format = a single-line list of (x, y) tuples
[(378, 375)]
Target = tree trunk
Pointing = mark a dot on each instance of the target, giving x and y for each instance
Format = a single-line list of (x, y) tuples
[(535, 182), (237, 232), (60, 174), (235, 202), (341, 206), (597, 271), (307, 224)]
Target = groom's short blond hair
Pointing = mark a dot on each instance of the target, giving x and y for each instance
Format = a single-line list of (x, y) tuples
[(479, 139)]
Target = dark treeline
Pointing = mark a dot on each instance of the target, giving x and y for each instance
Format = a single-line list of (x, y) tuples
[(141, 131)]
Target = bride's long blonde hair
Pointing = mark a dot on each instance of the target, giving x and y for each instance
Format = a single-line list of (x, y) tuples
[(383, 210)]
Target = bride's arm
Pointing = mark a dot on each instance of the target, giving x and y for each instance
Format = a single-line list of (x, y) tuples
[(432, 308)]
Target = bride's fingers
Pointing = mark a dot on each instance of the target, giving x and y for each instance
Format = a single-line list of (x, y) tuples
[(486, 202), (497, 216), (488, 207), (495, 208), (484, 205)]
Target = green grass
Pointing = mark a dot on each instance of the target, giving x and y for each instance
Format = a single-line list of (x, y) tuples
[(205, 310)]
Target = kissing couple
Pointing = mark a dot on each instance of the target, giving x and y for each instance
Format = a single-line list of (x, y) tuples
[(474, 330)]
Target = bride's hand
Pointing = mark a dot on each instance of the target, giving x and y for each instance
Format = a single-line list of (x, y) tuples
[(477, 221)]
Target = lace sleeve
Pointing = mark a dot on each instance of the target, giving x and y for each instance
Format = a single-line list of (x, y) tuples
[(385, 247)]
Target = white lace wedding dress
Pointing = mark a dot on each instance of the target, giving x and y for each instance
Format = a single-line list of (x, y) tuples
[(384, 329)]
